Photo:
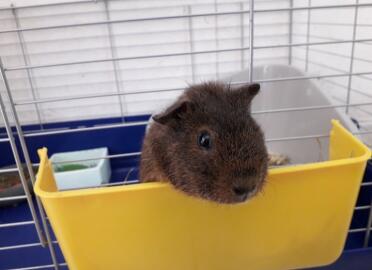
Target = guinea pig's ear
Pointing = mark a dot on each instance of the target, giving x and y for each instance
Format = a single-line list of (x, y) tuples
[(174, 114), (249, 91)]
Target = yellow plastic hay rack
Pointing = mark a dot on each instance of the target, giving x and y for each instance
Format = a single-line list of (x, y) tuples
[(301, 220)]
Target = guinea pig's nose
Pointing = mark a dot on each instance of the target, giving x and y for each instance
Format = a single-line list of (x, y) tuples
[(241, 191)]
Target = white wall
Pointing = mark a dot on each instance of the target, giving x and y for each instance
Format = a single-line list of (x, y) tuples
[(159, 37), (337, 24), (131, 39)]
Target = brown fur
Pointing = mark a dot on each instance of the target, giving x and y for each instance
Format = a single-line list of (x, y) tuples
[(237, 157)]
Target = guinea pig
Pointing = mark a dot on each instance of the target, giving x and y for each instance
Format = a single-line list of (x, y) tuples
[(207, 144)]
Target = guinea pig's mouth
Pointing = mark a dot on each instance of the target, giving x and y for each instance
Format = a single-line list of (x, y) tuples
[(223, 194), (232, 198)]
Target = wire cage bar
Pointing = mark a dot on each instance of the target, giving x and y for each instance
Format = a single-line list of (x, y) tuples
[(188, 16), (43, 234), (19, 167), (190, 53)]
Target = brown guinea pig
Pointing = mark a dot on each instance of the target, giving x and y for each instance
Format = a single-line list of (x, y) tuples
[(207, 144)]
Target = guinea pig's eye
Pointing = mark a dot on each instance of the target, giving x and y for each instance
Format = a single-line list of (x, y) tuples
[(205, 140)]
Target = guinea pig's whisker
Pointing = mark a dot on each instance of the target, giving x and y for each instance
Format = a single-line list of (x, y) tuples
[(128, 174), (262, 192)]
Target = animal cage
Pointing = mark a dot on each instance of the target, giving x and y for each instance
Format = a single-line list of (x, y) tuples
[(78, 75)]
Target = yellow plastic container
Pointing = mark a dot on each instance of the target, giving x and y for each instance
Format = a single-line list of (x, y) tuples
[(301, 220)]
